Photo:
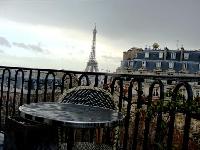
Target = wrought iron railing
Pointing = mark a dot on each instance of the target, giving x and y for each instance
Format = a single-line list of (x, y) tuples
[(153, 104)]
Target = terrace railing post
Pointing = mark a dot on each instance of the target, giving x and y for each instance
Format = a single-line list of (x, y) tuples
[(2, 91), (8, 94), (53, 87), (172, 119), (127, 119), (188, 117), (137, 115), (15, 88), (63, 81), (45, 87), (38, 85), (120, 90), (29, 87), (159, 136), (121, 95), (96, 81), (148, 117)]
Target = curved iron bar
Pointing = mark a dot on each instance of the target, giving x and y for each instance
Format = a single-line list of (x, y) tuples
[(63, 81), (96, 82), (38, 85), (105, 81), (137, 115), (187, 118), (149, 116), (29, 87), (86, 77), (15, 88), (45, 86), (159, 113), (127, 118), (120, 90), (8, 93)]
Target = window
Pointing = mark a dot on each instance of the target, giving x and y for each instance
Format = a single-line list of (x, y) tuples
[(158, 65), (171, 65), (123, 63), (173, 55), (144, 64), (184, 65), (136, 55), (155, 92), (199, 67), (130, 63), (186, 56), (146, 55), (160, 54)]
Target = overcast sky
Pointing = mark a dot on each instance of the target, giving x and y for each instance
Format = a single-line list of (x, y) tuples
[(58, 33)]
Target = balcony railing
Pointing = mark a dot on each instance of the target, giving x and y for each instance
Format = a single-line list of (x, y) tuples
[(161, 111)]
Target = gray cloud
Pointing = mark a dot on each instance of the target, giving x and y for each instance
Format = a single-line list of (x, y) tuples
[(36, 48), (4, 42), (1, 51), (123, 23), (21, 45)]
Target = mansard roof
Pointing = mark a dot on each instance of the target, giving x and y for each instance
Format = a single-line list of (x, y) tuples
[(179, 59), (194, 55)]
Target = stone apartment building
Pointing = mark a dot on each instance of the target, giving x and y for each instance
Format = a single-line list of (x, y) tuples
[(155, 61)]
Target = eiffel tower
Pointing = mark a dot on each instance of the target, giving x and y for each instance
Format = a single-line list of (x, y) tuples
[(92, 65)]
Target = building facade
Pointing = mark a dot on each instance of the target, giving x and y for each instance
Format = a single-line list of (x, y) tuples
[(162, 62)]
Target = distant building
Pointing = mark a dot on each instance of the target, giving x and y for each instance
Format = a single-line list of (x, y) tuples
[(162, 62)]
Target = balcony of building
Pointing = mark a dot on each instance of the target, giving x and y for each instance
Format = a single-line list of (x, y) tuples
[(167, 118)]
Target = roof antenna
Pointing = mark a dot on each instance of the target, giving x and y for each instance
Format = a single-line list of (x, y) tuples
[(177, 42), (182, 48), (145, 47)]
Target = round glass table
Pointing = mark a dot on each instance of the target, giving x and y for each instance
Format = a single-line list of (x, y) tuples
[(71, 115)]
